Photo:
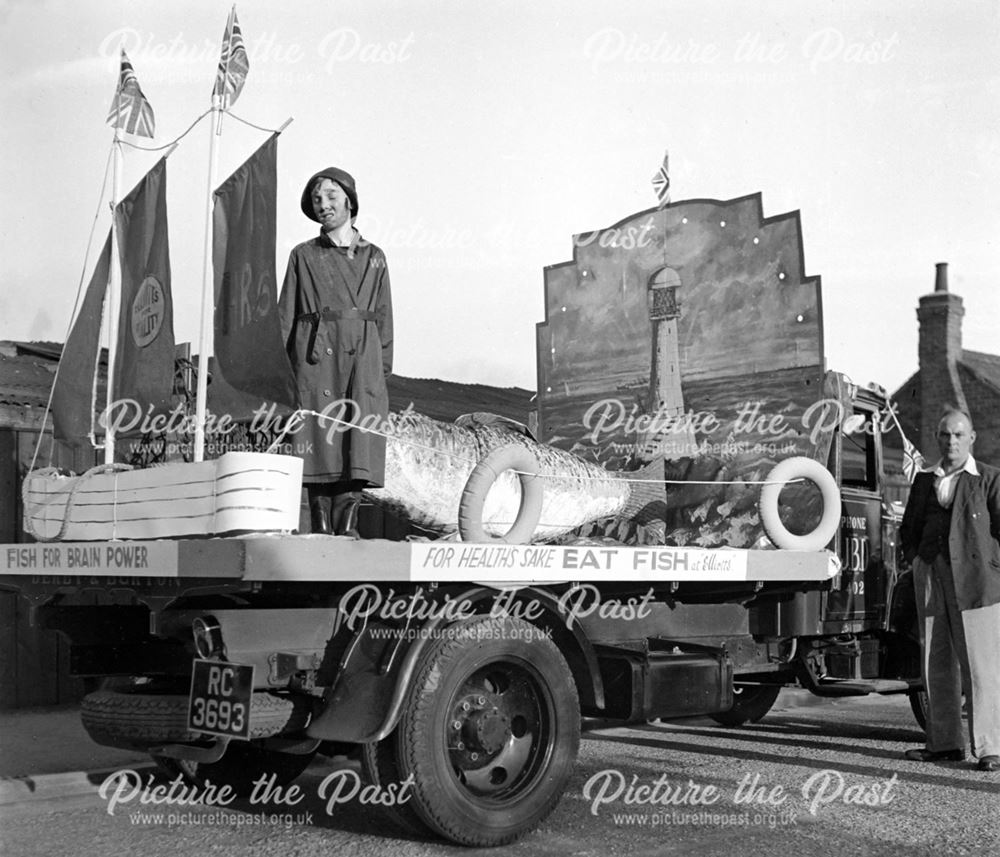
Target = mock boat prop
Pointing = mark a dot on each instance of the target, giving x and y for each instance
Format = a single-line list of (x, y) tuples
[(239, 491)]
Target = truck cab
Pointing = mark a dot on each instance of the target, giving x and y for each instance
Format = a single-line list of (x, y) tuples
[(870, 601)]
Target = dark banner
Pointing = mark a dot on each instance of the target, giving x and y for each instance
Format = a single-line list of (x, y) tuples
[(144, 366), (74, 390), (249, 352)]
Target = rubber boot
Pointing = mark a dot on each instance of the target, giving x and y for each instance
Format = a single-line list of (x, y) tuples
[(345, 514), (320, 507)]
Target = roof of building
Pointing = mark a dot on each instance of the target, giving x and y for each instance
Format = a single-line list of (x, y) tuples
[(985, 366), (27, 370), (979, 374), (25, 377)]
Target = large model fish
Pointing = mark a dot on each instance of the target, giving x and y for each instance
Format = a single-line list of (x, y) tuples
[(428, 464)]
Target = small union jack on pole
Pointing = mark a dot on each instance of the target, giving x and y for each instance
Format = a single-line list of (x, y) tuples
[(233, 63), (130, 111), (913, 461), (661, 181)]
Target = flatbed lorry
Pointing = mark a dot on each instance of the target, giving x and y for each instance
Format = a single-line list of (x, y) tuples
[(459, 672)]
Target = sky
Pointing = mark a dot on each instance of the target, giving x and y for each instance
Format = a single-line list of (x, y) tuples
[(483, 136)]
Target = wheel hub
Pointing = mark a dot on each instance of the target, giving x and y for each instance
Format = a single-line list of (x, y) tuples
[(480, 728), (490, 730)]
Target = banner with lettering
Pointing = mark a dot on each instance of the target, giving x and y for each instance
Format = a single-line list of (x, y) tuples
[(144, 365), (250, 357)]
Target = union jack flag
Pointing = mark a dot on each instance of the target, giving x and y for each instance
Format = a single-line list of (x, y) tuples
[(130, 111), (661, 181), (233, 64), (913, 461)]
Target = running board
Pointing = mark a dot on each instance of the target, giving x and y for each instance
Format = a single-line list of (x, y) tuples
[(855, 687)]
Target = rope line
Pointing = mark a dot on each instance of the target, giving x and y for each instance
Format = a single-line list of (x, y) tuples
[(172, 142), (69, 328), (32, 508), (80, 285), (296, 419), (229, 112)]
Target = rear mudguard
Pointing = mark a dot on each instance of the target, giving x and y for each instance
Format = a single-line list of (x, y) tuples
[(364, 701)]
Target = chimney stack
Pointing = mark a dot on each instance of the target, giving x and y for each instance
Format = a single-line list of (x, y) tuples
[(941, 277), (940, 350)]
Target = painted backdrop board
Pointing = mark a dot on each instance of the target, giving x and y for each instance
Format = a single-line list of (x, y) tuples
[(692, 332)]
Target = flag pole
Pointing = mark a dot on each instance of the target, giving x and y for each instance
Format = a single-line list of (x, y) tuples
[(113, 296), (207, 285), (231, 43)]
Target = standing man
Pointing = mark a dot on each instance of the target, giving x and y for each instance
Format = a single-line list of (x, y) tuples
[(950, 532), (336, 320)]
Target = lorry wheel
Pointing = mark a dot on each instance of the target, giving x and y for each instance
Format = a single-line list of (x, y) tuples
[(921, 706), (140, 720), (919, 703), (240, 767), (750, 703), (489, 731)]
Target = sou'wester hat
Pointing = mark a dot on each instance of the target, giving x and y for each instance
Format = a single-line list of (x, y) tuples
[(335, 174)]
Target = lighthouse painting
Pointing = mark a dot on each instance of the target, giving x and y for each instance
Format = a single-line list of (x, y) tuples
[(674, 437), (690, 333)]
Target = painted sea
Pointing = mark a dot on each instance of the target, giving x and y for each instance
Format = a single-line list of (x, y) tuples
[(732, 433)]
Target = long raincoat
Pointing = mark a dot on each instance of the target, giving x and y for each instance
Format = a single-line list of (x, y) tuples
[(336, 321)]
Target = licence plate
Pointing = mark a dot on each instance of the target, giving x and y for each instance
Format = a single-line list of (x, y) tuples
[(220, 699)]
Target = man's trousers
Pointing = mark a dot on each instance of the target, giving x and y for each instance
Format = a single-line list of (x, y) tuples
[(960, 652)]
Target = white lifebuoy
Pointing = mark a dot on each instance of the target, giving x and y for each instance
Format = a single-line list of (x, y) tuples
[(799, 467), (485, 473)]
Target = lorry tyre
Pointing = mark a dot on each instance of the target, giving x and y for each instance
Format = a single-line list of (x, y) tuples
[(484, 474), (919, 705), (750, 703), (138, 720), (800, 467), (489, 731)]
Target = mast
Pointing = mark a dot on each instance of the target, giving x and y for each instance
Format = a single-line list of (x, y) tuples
[(113, 296), (233, 67), (139, 120), (207, 285)]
